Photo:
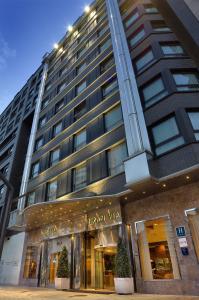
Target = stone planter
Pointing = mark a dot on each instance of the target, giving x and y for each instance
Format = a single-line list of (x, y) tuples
[(124, 285), (62, 283)]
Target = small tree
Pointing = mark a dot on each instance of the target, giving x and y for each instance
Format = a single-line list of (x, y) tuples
[(122, 265), (63, 266)]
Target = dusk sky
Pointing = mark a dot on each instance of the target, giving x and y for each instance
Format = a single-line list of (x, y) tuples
[(28, 29)]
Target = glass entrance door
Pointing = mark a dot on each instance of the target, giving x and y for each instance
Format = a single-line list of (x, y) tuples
[(106, 270)]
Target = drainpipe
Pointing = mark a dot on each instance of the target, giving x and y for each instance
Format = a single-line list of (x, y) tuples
[(27, 166), (6, 211), (139, 149)]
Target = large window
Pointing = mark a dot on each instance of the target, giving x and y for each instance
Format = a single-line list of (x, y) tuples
[(194, 117), (34, 170), (31, 199), (116, 157), (166, 136), (39, 143), (57, 129), (138, 35), (150, 9), (79, 110), (144, 59), (81, 68), (79, 177), (154, 92), (105, 45), (172, 49), (160, 26), (105, 65), (51, 191), (80, 87), (42, 121), (113, 118), (59, 105), (79, 140), (156, 249), (186, 81), (109, 87), (132, 19), (54, 157)]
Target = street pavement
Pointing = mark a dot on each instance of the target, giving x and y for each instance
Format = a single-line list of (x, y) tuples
[(43, 294)]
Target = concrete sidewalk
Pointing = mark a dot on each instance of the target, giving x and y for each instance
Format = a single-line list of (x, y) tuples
[(43, 294)]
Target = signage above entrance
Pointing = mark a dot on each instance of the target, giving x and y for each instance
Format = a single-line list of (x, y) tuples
[(104, 217)]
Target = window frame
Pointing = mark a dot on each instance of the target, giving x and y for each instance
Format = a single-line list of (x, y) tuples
[(173, 138), (56, 161), (35, 174), (194, 87)]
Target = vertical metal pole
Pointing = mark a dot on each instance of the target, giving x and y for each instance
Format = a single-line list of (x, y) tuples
[(26, 172)]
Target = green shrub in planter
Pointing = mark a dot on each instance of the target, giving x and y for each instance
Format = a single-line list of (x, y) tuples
[(63, 266), (122, 265)]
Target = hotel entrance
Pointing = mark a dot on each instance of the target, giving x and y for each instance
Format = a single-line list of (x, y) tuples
[(101, 249)]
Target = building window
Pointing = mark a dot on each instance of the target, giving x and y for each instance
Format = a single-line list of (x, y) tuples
[(51, 191), (156, 248), (113, 118), (79, 110), (132, 19), (144, 59), (79, 177), (2, 189), (39, 143), (105, 65), (116, 157), (160, 26), (109, 87), (81, 68), (35, 170), (79, 140), (172, 49), (194, 117), (42, 121), (186, 81), (57, 129), (54, 157), (30, 265), (193, 218), (166, 136), (150, 9), (31, 199), (102, 31), (80, 87), (105, 45), (82, 51), (137, 36), (59, 106), (154, 92), (44, 103), (61, 87)]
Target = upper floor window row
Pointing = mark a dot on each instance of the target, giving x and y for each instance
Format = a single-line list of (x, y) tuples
[(155, 90), (112, 119)]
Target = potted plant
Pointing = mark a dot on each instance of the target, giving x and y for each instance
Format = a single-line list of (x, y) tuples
[(62, 281), (123, 279)]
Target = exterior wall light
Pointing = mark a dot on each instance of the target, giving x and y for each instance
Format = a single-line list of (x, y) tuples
[(70, 28), (87, 9), (55, 46)]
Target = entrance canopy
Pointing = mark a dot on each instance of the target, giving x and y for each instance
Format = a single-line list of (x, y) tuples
[(44, 213)]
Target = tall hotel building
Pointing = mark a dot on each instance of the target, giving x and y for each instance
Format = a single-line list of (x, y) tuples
[(113, 151)]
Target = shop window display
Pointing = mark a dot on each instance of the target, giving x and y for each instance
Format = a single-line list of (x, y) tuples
[(156, 248)]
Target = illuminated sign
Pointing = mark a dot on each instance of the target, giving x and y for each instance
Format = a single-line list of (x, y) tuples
[(108, 216)]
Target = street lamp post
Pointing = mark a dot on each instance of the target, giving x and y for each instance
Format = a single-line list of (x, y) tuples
[(6, 211)]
